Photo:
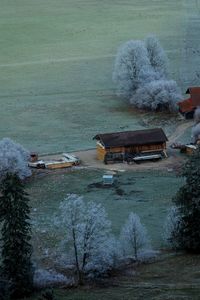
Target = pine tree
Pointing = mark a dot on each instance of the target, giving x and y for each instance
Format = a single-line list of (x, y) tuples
[(187, 231), (16, 266)]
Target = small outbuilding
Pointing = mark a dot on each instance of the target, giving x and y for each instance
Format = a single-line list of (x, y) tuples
[(188, 106), (108, 179), (138, 141)]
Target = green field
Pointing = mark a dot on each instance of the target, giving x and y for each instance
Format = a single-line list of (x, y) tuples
[(145, 193), (56, 62)]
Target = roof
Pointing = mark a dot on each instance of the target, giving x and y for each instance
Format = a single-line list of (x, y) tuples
[(107, 176), (130, 138), (194, 100), (193, 90)]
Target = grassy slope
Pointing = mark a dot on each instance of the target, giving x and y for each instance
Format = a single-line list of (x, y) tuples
[(171, 278), (145, 193), (56, 63)]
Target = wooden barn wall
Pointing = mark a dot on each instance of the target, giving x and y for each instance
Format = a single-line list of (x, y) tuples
[(102, 151)]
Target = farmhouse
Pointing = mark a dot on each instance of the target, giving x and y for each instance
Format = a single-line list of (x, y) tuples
[(187, 107), (139, 141)]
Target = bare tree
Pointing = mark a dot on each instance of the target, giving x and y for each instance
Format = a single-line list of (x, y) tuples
[(88, 232), (13, 159), (134, 236)]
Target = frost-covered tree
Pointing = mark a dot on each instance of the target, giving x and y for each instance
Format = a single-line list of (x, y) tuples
[(157, 56), (13, 159), (140, 73), (157, 95), (134, 236), (197, 115), (171, 225), (131, 60), (16, 250), (196, 133), (186, 233), (196, 128), (88, 232)]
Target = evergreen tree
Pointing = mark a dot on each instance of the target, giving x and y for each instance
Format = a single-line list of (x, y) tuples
[(16, 266), (4, 289), (186, 233)]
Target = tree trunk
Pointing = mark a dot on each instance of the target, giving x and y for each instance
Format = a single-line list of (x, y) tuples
[(79, 273), (135, 246)]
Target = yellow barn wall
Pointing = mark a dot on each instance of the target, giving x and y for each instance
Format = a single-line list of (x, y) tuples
[(101, 151)]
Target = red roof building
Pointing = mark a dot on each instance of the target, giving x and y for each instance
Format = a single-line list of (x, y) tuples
[(188, 106)]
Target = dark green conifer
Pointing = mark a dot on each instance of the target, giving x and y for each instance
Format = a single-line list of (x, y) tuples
[(186, 234), (16, 266)]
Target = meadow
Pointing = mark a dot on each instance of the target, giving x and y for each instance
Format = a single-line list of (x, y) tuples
[(56, 62), (145, 193), (56, 93)]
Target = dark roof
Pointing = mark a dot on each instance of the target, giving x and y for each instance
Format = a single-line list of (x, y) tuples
[(193, 90), (132, 138)]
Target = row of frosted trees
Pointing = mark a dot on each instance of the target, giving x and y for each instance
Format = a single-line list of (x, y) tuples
[(90, 245)]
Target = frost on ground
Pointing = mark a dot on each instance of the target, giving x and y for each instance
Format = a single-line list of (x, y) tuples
[(46, 278), (141, 76)]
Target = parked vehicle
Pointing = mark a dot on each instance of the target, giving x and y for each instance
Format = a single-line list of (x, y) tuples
[(145, 157), (57, 162), (71, 158)]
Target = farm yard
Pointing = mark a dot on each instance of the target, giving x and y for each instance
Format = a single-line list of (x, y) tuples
[(56, 94)]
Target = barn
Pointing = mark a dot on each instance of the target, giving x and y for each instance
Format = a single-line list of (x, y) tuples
[(138, 141), (188, 106)]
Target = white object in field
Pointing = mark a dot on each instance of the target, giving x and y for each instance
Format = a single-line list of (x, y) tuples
[(37, 164), (108, 179), (191, 147), (70, 158), (147, 157)]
